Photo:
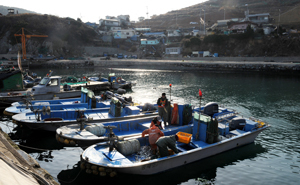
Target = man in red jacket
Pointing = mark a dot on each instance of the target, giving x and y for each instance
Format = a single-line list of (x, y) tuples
[(154, 133), (157, 120)]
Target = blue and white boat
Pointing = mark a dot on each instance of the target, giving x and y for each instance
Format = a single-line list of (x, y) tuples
[(49, 120), (87, 101), (73, 135), (212, 133)]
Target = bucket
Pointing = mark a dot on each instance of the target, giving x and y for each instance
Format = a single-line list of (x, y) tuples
[(184, 137), (260, 124)]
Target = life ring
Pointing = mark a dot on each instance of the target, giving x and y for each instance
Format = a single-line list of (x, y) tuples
[(119, 79)]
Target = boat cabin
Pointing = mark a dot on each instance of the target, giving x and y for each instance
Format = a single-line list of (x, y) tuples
[(47, 85)]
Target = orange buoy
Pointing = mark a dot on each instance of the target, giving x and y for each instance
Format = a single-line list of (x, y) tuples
[(175, 116)]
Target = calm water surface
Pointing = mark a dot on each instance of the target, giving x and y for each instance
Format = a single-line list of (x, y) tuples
[(274, 157)]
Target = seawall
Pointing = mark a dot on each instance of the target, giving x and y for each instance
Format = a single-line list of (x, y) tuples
[(285, 65)]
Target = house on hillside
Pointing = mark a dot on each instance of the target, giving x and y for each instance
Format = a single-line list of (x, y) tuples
[(124, 19), (11, 11), (109, 22), (174, 33), (154, 34), (262, 18), (92, 24), (149, 42), (123, 34), (114, 28), (240, 27), (141, 19), (173, 51), (142, 30)]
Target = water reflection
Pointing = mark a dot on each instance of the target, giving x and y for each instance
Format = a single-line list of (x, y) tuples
[(201, 172)]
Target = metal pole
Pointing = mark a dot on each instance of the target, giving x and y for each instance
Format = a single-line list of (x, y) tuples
[(170, 92), (200, 21), (224, 13), (204, 23), (278, 22)]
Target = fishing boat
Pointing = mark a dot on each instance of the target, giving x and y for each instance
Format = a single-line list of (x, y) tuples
[(49, 88), (119, 82), (11, 79), (74, 135), (87, 101), (50, 120), (213, 133)]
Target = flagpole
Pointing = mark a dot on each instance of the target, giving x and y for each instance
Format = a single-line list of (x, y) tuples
[(200, 96)]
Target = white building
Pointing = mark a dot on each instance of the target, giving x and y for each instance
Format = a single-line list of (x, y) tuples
[(123, 34), (173, 51), (174, 33), (113, 28), (109, 22), (141, 19)]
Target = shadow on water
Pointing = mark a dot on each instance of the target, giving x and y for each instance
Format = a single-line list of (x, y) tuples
[(32, 141), (203, 171)]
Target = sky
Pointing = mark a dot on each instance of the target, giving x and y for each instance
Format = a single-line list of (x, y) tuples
[(93, 10)]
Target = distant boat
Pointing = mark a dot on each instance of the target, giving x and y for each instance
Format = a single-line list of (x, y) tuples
[(116, 82), (207, 138), (48, 88)]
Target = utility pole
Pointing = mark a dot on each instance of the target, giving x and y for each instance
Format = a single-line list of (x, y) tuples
[(176, 19), (200, 21), (147, 16), (278, 22), (204, 23)]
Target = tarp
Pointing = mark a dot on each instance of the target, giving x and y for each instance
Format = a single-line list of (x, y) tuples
[(13, 175)]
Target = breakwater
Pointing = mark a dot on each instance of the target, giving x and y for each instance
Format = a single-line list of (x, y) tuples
[(291, 67)]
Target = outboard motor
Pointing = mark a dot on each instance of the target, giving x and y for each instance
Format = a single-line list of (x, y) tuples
[(211, 108), (237, 123)]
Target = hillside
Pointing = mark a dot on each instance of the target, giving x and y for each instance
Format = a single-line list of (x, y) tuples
[(214, 10), (3, 10), (65, 36)]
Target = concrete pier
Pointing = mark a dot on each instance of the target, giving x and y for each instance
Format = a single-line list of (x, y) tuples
[(17, 167)]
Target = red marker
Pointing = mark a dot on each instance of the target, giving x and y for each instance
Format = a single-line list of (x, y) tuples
[(200, 93), (170, 85)]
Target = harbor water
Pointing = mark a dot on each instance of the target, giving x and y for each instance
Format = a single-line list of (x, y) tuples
[(274, 157)]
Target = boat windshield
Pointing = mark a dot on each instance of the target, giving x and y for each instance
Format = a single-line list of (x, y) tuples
[(44, 81)]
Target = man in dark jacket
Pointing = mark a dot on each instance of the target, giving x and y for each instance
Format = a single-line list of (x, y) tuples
[(162, 102), (167, 141)]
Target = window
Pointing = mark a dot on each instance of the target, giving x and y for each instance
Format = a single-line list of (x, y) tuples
[(44, 81), (53, 82)]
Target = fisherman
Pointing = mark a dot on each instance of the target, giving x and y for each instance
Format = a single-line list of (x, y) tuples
[(167, 141), (154, 133), (157, 120), (162, 103)]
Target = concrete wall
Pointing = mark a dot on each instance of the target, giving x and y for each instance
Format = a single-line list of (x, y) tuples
[(289, 68)]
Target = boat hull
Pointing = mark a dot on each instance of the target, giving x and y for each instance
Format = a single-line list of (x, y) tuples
[(53, 125), (6, 101), (166, 163)]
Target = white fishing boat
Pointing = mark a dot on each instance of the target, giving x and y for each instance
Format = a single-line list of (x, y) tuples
[(208, 137)]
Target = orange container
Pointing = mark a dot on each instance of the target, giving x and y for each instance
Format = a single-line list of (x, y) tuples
[(184, 137)]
